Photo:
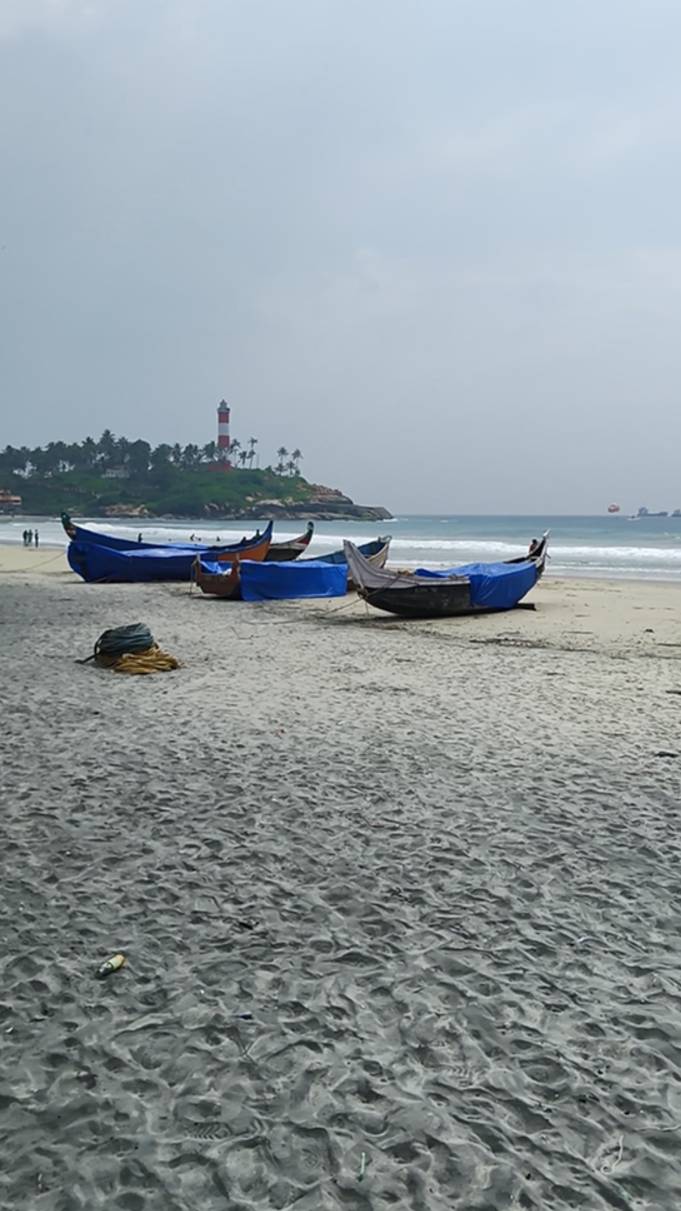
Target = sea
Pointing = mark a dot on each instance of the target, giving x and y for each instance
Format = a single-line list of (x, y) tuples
[(645, 548)]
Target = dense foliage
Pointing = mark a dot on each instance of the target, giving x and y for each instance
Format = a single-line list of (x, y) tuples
[(86, 477)]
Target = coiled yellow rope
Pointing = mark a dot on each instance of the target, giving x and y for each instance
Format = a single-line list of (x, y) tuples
[(153, 660)]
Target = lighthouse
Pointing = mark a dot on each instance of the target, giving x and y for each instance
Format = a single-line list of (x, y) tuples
[(224, 441)]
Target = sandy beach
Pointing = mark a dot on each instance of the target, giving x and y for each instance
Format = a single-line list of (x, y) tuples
[(400, 902)]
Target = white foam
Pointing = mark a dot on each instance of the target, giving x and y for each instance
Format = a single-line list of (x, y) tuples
[(600, 559)]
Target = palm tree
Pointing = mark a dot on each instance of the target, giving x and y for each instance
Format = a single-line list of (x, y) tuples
[(282, 453), (291, 467), (160, 456), (62, 454), (296, 456), (106, 447), (23, 461), (190, 456), (252, 442), (138, 457), (89, 448), (9, 458), (41, 461), (243, 458), (209, 452)]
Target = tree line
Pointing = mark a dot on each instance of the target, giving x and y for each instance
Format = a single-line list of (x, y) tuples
[(134, 458)]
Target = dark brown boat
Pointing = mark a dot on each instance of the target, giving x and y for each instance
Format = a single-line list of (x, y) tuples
[(472, 589), (284, 552)]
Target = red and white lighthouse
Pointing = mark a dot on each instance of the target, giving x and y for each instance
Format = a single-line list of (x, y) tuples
[(224, 440)]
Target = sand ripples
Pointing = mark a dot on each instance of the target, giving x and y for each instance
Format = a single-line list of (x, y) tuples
[(419, 949)]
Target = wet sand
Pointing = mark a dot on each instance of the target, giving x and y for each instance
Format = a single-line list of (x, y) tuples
[(401, 903)]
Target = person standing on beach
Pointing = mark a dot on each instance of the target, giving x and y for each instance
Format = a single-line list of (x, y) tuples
[(24, 537), (139, 536), (29, 538), (36, 539)]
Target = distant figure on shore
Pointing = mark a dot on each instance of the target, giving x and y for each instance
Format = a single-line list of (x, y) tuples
[(192, 538), (139, 536), (29, 537), (36, 539), (25, 537)]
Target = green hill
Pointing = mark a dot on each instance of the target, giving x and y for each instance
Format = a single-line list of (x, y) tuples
[(117, 477)]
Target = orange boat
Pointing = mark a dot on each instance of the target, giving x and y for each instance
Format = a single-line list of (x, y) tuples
[(252, 548)]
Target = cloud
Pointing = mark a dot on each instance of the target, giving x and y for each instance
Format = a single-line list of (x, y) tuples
[(457, 221), (18, 17)]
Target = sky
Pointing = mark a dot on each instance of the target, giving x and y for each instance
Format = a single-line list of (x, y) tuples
[(435, 244)]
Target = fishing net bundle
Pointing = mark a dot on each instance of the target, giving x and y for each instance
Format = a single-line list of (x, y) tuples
[(131, 649)]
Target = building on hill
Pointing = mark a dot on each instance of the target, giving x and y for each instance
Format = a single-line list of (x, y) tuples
[(9, 501)]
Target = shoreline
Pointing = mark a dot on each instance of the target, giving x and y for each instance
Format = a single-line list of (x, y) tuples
[(629, 617), (16, 558)]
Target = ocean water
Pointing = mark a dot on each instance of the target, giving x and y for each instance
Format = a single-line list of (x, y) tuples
[(646, 548)]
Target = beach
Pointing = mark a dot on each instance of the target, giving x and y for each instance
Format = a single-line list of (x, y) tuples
[(399, 900)]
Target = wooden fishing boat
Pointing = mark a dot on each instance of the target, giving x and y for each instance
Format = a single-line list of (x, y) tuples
[(97, 564), (470, 589), (280, 581), (375, 552), (216, 583), (284, 552), (117, 543), (377, 557), (283, 581)]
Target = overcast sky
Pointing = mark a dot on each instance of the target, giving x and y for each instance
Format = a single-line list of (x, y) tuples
[(436, 244)]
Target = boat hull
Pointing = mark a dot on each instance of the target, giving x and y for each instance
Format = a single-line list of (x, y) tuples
[(81, 534), (98, 565), (422, 601), (286, 552), (375, 551), (218, 584)]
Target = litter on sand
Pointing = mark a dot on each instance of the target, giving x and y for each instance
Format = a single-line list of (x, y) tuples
[(113, 964)]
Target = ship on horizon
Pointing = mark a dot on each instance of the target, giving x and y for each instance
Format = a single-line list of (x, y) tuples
[(645, 512)]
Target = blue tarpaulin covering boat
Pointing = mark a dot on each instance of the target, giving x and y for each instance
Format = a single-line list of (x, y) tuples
[(289, 581), (493, 586), (96, 563)]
